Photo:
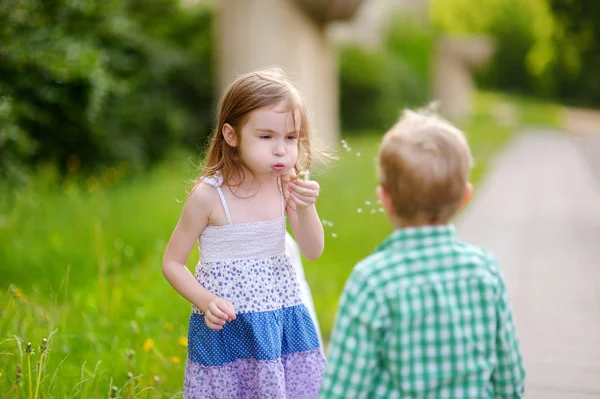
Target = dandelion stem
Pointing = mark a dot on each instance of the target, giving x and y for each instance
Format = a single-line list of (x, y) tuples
[(29, 375), (39, 377)]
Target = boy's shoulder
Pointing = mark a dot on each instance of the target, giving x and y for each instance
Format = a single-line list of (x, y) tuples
[(376, 268), (367, 272)]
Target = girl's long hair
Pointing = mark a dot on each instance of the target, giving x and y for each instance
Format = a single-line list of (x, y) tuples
[(249, 92)]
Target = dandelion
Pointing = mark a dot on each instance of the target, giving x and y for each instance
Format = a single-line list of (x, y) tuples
[(183, 341), (148, 345), (16, 291), (128, 251), (130, 353), (304, 175), (359, 210), (175, 360), (113, 391)]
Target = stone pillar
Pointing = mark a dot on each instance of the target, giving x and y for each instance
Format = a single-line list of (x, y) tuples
[(454, 62), (253, 34)]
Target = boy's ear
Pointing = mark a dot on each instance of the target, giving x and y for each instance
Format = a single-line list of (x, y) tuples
[(468, 195), (229, 135), (385, 199)]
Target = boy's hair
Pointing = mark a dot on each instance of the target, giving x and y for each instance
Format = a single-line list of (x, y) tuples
[(424, 165), (247, 93)]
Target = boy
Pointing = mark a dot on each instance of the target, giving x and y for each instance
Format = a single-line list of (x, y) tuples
[(426, 315)]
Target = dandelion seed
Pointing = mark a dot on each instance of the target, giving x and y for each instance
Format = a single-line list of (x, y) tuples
[(358, 154), (175, 360), (368, 203), (183, 341), (380, 209), (346, 146), (326, 223), (130, 353), (156, 378), (334, 235), (148, 345), (129, 375), (373, 211), (113, 391), (359, 210)]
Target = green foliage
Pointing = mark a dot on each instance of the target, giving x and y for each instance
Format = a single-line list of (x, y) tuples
[(577, 39), (544, 48), (376, 84), (86, 83)]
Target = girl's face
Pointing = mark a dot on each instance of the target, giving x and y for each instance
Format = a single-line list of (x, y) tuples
[(269, 140)]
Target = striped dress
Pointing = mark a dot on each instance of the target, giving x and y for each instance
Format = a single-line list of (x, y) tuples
[(271, 350)]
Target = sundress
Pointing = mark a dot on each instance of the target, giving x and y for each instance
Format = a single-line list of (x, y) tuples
[(271, 349)]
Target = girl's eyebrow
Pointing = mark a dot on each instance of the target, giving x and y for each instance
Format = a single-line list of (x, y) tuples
[(274, 132)]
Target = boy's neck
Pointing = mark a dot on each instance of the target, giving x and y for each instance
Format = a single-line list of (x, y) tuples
[(402, 224)]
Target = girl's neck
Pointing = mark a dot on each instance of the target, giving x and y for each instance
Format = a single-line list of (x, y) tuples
[(247, 180)]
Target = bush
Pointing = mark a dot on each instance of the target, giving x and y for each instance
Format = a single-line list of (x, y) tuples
[(375, 84), (87, 83)]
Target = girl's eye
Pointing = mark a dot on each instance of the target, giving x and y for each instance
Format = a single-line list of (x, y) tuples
[(265, 137), (292, 137)]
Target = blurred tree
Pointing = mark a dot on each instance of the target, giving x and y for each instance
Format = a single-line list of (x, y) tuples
[(376, 84), (578, 43), (98, 82)]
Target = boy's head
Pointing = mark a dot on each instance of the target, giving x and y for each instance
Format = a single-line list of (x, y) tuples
[(424, 165)]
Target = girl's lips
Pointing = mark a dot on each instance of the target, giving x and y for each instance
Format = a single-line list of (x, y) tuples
[(279, 166)]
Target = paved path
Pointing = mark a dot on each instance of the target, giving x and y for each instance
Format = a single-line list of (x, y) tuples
[(539, 212)]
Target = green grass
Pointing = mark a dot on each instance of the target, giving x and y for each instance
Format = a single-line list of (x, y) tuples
[(80, 261)]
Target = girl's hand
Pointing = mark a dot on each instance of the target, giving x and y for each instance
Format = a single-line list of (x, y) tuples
[(218, 312), (304, 193)]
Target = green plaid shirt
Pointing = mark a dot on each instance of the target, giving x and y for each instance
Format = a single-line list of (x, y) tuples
[(425, 316)]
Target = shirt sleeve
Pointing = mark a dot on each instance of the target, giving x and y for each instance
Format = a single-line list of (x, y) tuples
[(509, 376), (353, 349)]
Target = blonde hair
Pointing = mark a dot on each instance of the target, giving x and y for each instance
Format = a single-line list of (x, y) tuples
[(247, 93), (424, 165)]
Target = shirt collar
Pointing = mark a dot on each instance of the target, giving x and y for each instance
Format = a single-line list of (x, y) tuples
[(419, 237)]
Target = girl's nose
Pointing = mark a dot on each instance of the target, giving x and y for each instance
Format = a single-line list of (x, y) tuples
[(279, 149)]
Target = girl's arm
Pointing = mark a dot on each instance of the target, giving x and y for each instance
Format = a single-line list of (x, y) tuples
[(304, 218), (193, 220)]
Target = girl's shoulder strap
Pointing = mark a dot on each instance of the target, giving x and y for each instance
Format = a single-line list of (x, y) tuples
[(217, 181)]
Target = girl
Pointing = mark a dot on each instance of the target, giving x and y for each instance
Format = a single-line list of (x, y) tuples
[(250, 336)]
